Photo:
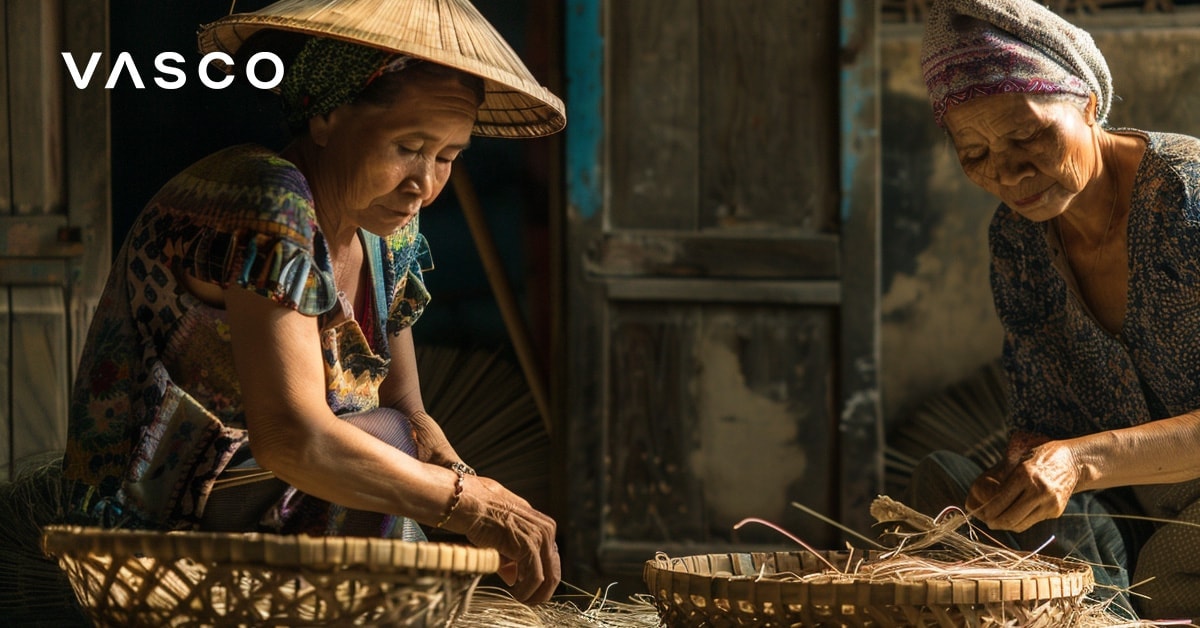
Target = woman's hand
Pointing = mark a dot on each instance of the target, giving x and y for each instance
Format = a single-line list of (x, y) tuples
[(1018, 493), (432, 446), (986, 485), (492, 516)]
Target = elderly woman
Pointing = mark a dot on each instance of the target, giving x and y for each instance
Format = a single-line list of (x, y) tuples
[(1096, 279), (251, 364)]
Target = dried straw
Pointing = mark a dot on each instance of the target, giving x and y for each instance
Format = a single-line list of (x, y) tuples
[(495, 608)]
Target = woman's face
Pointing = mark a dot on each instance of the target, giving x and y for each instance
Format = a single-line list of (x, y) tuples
[(380, 165), (1034, 154)]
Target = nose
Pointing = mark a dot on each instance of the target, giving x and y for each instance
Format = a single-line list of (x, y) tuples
[(424, 177), (1011, 168)]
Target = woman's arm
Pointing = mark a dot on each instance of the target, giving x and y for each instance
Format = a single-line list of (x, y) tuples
[(1158, 452), (401, 390), (293, 433), (1045, 476)]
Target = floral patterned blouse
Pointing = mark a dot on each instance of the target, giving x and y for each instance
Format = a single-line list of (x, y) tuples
[(155, 414), (1068, 376)]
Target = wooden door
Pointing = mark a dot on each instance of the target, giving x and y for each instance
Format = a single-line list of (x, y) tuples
[(722, 275), (54, 214)]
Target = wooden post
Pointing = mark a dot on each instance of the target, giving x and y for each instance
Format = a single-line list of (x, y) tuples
[(87, 139), (860, 427), (35, 105)]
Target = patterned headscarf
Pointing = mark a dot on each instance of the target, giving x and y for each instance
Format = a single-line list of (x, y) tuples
[(328, 73), (977, 48)]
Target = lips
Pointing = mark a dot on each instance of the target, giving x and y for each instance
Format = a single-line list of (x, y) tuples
[(1031, 199)]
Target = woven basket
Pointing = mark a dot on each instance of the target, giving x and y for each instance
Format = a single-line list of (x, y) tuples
[(142, 578), (718, 590)]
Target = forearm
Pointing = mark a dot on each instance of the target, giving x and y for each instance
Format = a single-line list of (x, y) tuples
[(342, 464), (295, 434), (1158, 452)]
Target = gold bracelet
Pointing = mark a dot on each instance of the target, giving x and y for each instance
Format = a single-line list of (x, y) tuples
[(458, 491)]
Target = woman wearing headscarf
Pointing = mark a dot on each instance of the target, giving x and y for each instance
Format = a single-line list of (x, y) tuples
[(251, 363), (1096, 279)]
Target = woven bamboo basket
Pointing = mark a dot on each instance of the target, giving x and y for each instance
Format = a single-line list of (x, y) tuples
[(143, 578), (770, 590)]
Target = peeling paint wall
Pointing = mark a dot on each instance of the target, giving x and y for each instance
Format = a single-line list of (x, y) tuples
[(752, 430), (938, 320)]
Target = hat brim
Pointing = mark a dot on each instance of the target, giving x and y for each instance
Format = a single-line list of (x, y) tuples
[(513, 106)]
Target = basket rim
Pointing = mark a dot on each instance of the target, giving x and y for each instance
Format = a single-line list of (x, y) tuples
[(672, 575), (273, 550)]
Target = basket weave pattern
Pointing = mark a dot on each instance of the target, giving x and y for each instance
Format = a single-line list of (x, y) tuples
[(190, 579), (725, 590)]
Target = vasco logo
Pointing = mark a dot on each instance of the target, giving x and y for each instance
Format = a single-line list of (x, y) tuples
[(167, 65)]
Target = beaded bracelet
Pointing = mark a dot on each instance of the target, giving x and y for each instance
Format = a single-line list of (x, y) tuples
[(462, 467), (458, 491)]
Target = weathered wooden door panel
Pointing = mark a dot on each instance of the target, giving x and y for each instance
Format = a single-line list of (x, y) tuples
[(5, 391), (655, 114), (714, 305), (54, 214), (721, 115), (768, 148), (40, 370), (35, 106), (718, 412)]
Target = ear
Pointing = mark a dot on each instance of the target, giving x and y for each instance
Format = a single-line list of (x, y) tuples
[(320, 128), (1089, 112)]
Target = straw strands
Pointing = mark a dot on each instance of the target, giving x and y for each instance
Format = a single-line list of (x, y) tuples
[(495, 608)]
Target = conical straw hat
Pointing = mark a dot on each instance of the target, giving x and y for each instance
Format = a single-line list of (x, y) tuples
[(449, 32)]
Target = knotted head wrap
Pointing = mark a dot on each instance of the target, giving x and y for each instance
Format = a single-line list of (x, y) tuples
[(974, 48), (328, 73)]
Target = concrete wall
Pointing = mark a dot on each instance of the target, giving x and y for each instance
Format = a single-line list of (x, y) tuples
[(938, 320)]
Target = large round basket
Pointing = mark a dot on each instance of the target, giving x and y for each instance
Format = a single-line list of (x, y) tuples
[(771, 590), (143, 578)]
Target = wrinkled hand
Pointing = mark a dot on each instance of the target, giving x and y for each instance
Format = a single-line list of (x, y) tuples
[(986, 485), (1021, 491), (432, 446), (492, 516)]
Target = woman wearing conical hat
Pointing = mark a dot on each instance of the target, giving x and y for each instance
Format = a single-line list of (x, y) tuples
[(251, 364), (1096, 278)]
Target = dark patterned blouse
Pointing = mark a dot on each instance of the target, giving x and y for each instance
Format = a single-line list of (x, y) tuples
[(155, 415), (1068, 376)]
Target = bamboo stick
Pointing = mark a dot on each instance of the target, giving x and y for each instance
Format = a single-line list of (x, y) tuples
[(502, 289)]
